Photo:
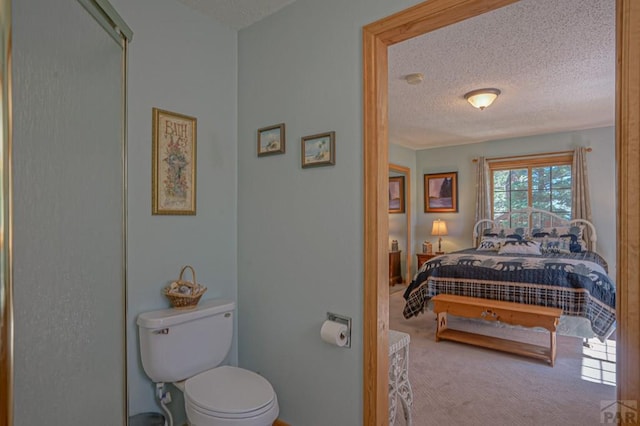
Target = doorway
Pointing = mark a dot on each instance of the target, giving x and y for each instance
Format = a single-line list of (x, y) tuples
[(400, 225), (430, 16)]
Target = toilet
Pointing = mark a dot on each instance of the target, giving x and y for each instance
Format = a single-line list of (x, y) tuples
[(186, 348)]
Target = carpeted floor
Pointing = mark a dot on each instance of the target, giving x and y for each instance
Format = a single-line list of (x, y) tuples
[(458, 384)]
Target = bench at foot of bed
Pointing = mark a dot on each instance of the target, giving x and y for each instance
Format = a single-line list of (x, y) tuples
[(494, 310)]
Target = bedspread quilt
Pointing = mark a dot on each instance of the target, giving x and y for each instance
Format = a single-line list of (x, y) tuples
[(577, 283)]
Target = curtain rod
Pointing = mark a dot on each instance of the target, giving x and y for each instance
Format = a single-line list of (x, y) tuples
[(542, 154)]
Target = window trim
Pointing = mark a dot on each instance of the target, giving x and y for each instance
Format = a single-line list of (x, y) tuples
[(563, 159)]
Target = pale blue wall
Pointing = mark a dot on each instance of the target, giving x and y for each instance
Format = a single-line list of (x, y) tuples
[(180, 61), (601, 166), (300, 231)]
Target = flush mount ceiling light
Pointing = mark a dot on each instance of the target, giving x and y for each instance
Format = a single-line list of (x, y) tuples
[(482, 98), (414, 78)]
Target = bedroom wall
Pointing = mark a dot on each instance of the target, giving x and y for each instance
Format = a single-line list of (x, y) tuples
[(300, 235), (180, 61), (601, 166)]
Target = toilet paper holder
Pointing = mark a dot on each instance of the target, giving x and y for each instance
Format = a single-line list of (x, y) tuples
[(342, 320)]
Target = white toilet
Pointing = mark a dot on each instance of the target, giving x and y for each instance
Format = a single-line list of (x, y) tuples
[(186, 347)]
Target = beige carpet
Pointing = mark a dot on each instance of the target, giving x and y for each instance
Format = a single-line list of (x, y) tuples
[(458, 384)]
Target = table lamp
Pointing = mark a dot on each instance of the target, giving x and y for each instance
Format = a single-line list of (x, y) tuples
[(439, 229)]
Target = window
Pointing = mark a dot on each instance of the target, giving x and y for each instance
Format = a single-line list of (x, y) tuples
[(542, 183)]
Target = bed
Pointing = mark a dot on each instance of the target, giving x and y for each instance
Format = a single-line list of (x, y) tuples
[(532, 257)]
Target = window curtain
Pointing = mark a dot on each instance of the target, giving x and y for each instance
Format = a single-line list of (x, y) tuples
[(581, 203), (483, 203)]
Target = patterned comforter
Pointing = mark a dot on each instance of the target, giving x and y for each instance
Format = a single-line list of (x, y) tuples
[(577, 283)]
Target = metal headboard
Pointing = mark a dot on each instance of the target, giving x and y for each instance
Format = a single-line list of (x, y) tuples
[(531, 218)]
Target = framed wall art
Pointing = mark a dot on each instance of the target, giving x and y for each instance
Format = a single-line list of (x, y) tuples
[(396, 194), (174, 163), (271, 140), (319, 150), (441, 192)]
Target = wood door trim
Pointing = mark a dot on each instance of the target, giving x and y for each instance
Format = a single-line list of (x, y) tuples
[(6, 285), (628, 175), (429, 16), (376, 234)]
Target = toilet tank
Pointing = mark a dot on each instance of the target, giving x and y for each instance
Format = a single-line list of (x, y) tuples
[(177, 344)]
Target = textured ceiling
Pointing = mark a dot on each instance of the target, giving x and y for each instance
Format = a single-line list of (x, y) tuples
[(236, 14), (553, 60)]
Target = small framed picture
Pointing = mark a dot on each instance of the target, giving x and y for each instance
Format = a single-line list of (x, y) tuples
[(271, 140), (173, 163), (396, 194), (319, 150), (441, 192)]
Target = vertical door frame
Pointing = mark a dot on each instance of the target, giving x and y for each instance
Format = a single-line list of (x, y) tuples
[(628, 205), (432, 15), (6, 286), (407, 212)]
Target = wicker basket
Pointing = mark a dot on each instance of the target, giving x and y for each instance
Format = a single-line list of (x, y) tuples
[(184, 301)]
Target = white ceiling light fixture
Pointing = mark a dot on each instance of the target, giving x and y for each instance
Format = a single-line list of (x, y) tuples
[(415, 78), (482, 98)]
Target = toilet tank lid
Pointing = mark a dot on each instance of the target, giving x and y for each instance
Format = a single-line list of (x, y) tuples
[(168, 317)]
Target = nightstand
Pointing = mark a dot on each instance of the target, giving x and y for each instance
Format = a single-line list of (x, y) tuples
[(395, 268), (423, 257)]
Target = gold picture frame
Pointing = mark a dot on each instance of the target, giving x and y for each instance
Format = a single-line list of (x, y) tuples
[(396, 194), (441, 192), (173, 163)]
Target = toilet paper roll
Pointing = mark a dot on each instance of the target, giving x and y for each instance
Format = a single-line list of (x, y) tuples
[(334, 333)]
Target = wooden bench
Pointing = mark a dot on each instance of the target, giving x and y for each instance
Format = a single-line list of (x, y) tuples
[(494, 310)]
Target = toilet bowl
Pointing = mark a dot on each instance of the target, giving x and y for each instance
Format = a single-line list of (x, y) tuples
[(229, 396), (188, 348)]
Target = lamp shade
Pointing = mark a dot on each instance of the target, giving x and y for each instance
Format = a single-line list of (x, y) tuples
[(439, 227), (482, 98)]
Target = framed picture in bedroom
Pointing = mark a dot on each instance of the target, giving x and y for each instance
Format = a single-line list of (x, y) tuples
[(441, 192), (319, 150), (271, 140), (396, 194), (173, 163)]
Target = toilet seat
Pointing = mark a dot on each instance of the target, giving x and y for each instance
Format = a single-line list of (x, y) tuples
[(230, 393), (270, 411)]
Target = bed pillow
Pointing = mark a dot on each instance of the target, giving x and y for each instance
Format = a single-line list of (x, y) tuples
[(511, 233), (493, 243), (574, 232), (556, 231), (489, 244), (520, 247), (556, 245)]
